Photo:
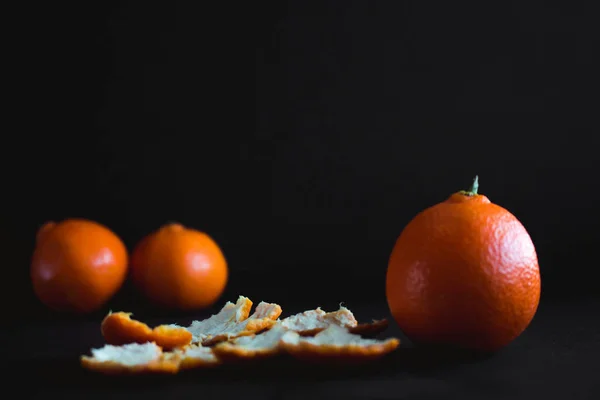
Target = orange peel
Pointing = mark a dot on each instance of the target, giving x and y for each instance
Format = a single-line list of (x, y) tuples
[(370, 329), (227, 317), (133, 347), (311, 322), (195, 356), (132, 358), (263, 318), (118, 328), (337, 344), (252, 347), (233, 321)]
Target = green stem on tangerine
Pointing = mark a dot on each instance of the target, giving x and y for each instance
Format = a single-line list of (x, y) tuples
[(474, 188)]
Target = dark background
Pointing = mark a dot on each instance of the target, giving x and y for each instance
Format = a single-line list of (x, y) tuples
[(302, 136)]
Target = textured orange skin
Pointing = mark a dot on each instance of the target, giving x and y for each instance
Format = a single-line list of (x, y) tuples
[(179, 268), (118, 329), (370, 329), (77, 265), (170, 337), (464, 273), (345, 355), (166, 364)]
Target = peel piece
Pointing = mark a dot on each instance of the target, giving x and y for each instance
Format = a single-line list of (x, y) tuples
[(336, 343), (305, 321), (263, 318), (311, 322), (252, 347), (226, 319), (118, 328), (195, 356), (370, 329), (132, 358)]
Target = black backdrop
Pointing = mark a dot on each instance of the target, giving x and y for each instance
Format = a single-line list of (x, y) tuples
[(305, 166)]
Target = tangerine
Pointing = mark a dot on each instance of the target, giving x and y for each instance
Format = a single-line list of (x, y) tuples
[(179, 268), (464, 273), (77, 265)]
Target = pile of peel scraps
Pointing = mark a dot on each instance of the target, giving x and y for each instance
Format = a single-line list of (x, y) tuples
[(233, 335)]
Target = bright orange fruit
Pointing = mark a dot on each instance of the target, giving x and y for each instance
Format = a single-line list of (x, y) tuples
[(77, 265), (179, 268), (465, 273)]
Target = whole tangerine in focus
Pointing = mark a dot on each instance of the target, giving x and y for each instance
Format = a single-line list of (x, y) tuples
[(179, 268), (464, 273), (77, 265)]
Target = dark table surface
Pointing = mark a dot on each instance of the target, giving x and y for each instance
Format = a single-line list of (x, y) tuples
[(556, 358)]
